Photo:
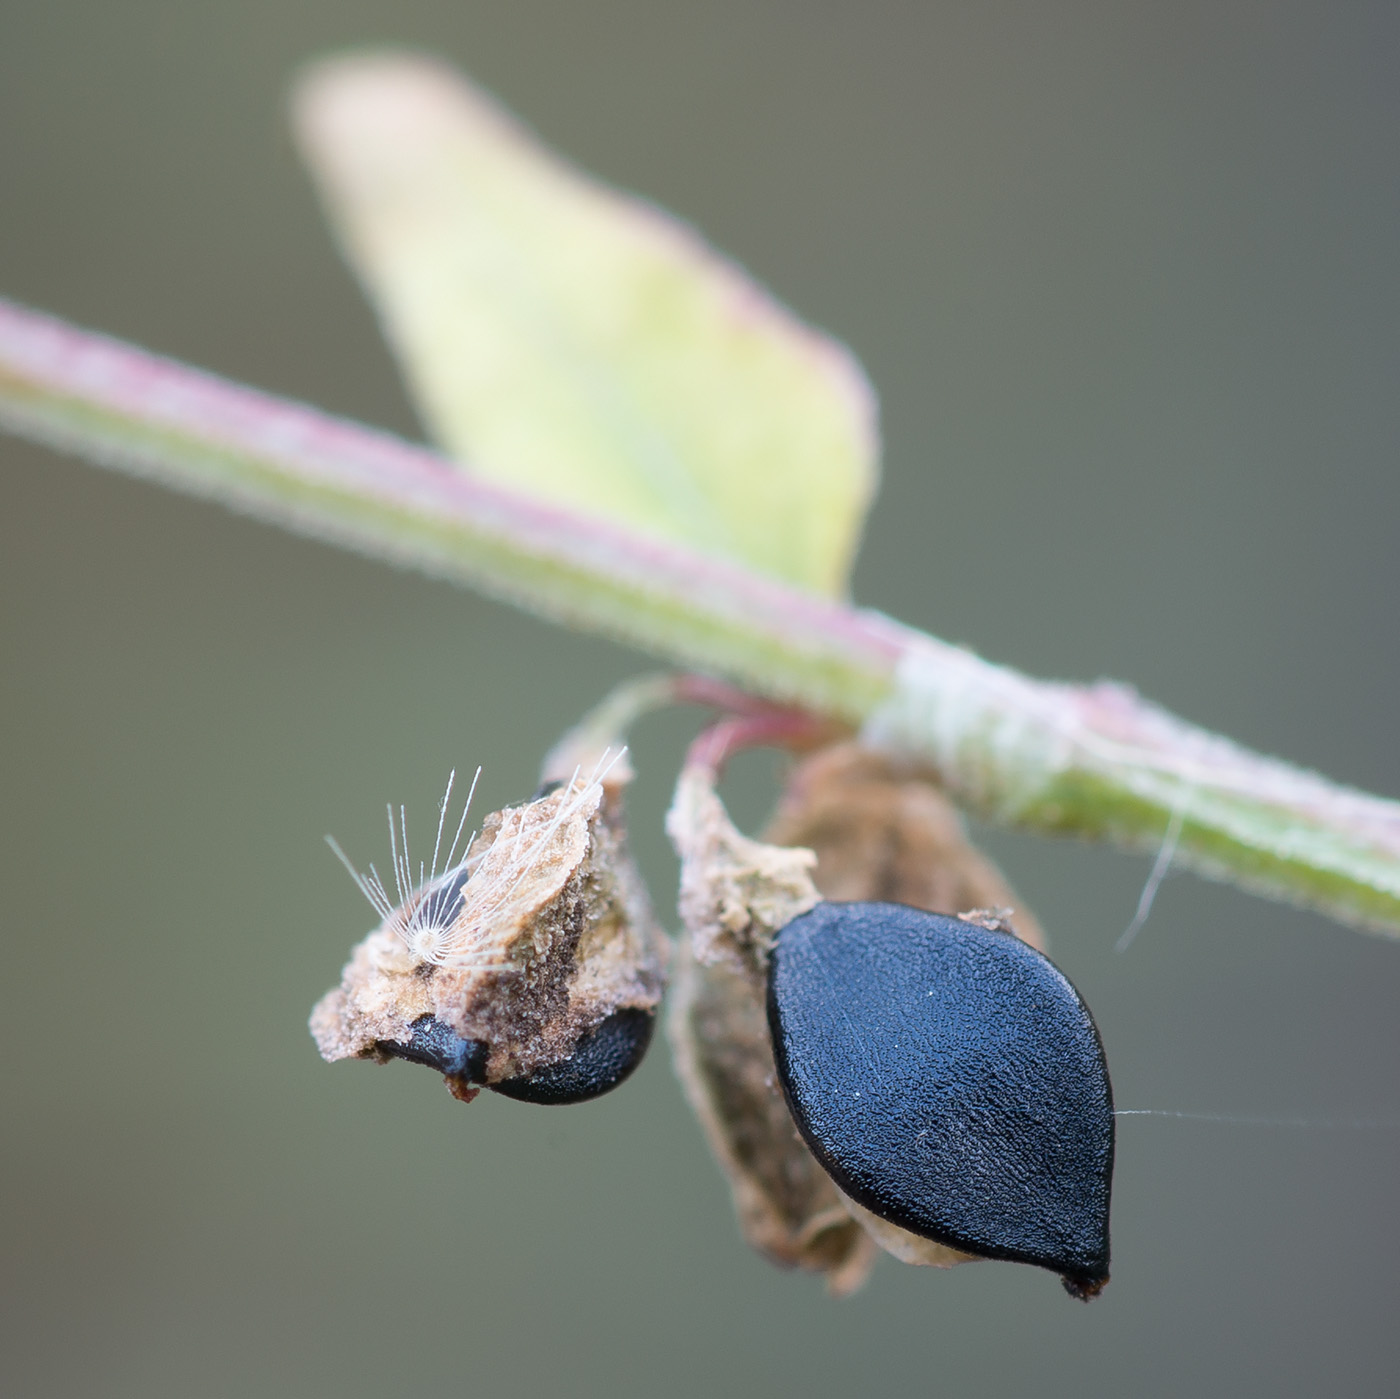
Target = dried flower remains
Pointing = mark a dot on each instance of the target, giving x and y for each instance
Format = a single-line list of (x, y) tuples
[(531, 965)]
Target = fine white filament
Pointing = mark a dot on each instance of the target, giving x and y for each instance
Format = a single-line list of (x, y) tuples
[(430, 922)]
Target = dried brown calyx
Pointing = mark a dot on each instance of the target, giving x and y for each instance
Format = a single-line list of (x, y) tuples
[(881, 833), (539, 942), (849, 827), (735, 894)]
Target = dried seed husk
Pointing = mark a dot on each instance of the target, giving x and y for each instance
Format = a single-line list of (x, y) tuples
[(882, 834), (789, 1209), (554, 934), (735, 894)]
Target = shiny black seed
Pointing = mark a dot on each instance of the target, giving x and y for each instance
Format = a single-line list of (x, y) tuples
[(600, 1062), (434, 1044), (949, 1079)]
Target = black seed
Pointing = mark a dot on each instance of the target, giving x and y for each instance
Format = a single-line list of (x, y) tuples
[(441, 1048), (949, 1079), (441, 902), (600, 1062), (546, 789)]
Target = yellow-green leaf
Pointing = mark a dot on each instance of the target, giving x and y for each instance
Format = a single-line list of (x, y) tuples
[(580, 344)]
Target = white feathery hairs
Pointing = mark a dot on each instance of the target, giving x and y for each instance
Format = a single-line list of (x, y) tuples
[(429, 912)]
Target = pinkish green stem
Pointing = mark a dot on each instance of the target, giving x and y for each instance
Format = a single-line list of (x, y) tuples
[(1094, 761)]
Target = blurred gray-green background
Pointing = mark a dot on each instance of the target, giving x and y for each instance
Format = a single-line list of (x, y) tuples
[(1126, 278)]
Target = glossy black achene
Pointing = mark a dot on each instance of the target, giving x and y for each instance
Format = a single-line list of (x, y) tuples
[(951, 1080), (440, 1048), (602, 1060)]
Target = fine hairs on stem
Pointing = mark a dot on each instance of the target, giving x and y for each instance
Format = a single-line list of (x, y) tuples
[(1160, 867)]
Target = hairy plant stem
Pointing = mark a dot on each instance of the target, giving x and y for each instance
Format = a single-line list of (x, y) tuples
[(1094, 761)]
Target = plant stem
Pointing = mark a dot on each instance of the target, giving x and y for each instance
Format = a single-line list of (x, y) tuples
[(1093, 761)]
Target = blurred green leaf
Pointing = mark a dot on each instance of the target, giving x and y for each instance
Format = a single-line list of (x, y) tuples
[(581, 345)]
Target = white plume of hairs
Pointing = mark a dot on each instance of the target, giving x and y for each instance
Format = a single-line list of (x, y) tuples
[(434, 930), (526, 850), (418, 918)]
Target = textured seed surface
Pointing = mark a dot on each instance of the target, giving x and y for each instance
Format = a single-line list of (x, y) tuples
[(602, 1060), (441, 1048), (951, 1081)]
